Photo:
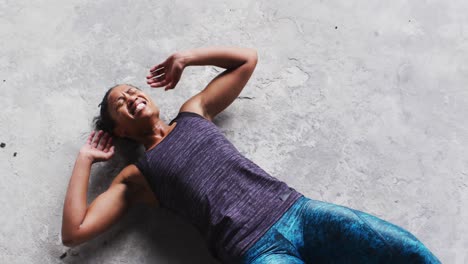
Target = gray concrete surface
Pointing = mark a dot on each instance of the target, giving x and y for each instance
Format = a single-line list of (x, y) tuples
[(359, 103)]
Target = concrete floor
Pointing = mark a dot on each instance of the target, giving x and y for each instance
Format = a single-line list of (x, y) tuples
[(359, 103)]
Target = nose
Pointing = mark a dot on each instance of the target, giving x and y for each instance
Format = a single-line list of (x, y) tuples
[(131, 100)]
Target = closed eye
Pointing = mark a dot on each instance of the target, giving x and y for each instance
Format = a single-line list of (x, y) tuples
[(119, 102)]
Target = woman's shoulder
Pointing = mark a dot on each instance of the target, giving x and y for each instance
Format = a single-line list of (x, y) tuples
[(192, 108), (137, 185), (187, 114)]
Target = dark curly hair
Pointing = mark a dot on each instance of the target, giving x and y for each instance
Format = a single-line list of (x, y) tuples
[(104, 121)]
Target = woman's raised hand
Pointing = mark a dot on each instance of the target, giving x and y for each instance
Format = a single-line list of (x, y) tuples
[(167, 73), (98, 147)]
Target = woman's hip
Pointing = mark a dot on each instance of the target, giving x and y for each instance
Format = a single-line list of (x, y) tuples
[(315, 231)]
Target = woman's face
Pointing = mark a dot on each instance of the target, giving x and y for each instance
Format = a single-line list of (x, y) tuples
[(131, 109)]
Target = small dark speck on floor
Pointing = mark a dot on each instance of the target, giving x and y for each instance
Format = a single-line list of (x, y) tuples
[(4, 80), (409, 20), (14, 154), (245, 97), (336, 27), (63, 255), (2, 145)]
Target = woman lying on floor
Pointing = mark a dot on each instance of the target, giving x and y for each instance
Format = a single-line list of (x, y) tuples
[(190, 168)]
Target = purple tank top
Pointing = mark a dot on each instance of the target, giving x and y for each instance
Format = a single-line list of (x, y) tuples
[(198, 174)]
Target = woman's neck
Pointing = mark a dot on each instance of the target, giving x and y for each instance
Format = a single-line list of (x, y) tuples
[(159, 130)]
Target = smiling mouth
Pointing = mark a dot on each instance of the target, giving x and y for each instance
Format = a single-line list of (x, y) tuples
[(139, 107)]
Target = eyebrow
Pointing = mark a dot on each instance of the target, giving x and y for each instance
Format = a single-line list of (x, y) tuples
[(118, 98)]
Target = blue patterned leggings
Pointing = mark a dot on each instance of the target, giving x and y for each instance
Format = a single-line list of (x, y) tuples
[(318, 232)]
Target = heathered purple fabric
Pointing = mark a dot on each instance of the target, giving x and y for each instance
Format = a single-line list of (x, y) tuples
[(198, 174)]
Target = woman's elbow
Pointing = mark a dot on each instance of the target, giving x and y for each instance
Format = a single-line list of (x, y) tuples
[(68, 242), (70, 239), (71, 242), (251, 60), (253, 55)]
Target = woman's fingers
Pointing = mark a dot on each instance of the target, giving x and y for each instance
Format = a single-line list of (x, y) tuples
[(157, 66), (156, 74), (108, 145), (103, 141), (173, 84), (160, 76), (97, 138), (165, 75), (160, 84), (156, 78), (169, 86), (99, 145), (157, 69), (110, 153), (90, 138)]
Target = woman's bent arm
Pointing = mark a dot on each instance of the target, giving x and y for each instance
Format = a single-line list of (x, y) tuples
[(224, 57), (80, 222), (75, 205), (222, 90)]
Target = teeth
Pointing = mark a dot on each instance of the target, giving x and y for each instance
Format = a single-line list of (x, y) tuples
[(139, 107)]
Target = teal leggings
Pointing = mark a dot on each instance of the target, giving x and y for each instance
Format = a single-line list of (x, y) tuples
[(318, 232)]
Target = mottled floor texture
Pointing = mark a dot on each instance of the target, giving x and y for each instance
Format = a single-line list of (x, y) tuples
[(358, 103)]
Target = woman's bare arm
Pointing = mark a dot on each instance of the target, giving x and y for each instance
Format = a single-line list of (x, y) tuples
[(222, 90), (81, 222)]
